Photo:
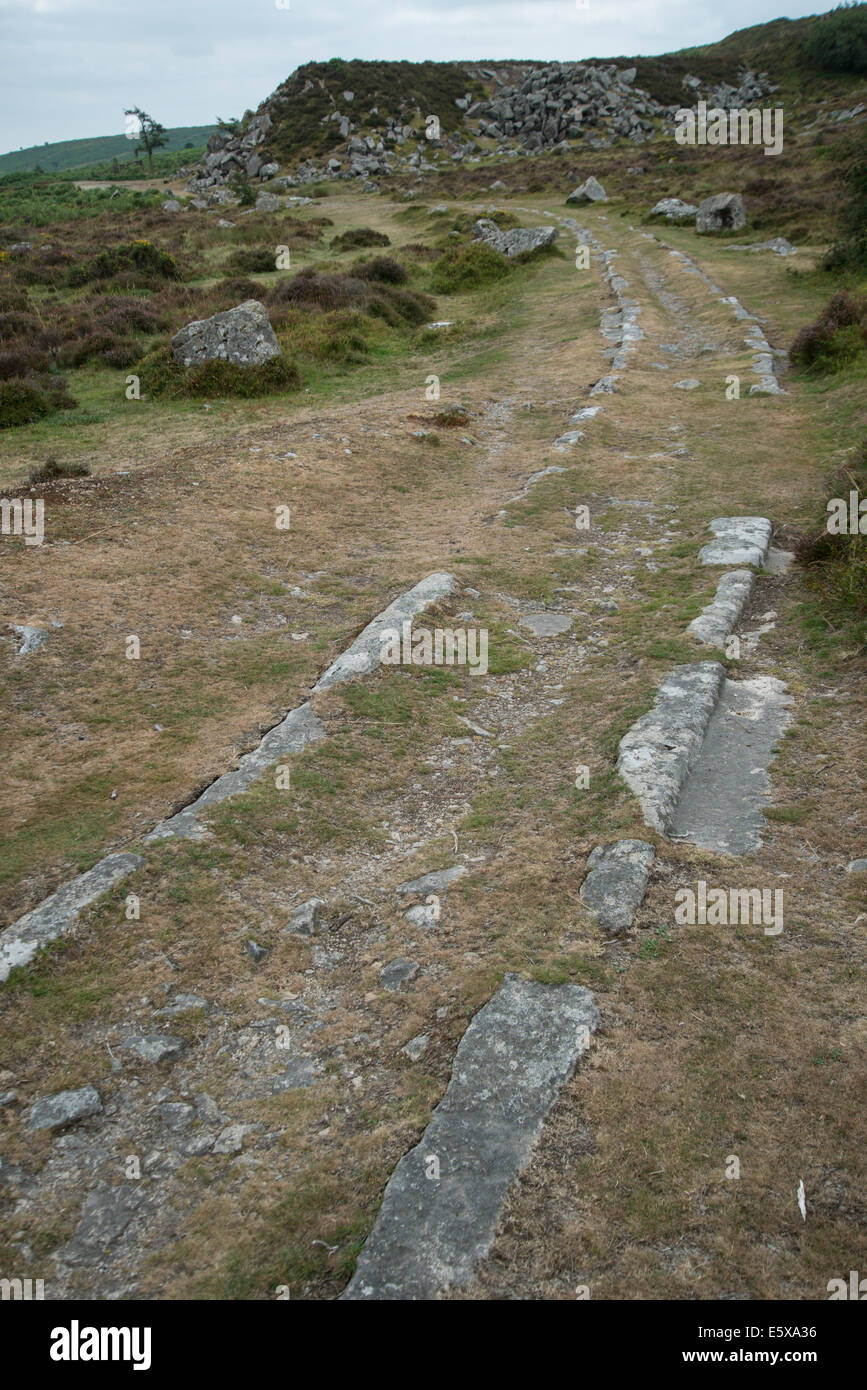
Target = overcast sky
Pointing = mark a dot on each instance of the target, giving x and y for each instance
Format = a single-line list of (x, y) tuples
[(70, 67)]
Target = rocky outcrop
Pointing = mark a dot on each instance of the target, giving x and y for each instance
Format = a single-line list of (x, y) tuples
[(242, 335)]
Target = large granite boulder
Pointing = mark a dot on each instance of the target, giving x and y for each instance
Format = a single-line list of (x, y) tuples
[(590, 191), (722, 213), (516, 240), (242, 335)]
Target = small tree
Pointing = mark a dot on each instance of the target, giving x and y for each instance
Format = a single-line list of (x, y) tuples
[(151, 134)]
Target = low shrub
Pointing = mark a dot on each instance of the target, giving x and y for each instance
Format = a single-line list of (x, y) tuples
[(359, 237), (22, 402), (383, 268), (836, 565), (52, 471), (138, 262), (837, 338), (468, 266), (252, 260), (161, 375)]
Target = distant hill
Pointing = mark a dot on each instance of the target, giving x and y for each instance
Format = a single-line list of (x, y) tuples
[(100, 149)]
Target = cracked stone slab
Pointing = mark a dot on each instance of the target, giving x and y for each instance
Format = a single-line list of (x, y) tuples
[(291, 735), (510, 1066), (656, 754), (59, 913), (364, 655), (720, 807), (720, 616), (740, 540), (615, 886)]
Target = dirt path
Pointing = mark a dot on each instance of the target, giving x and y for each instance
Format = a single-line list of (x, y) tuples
[(263, 1139)]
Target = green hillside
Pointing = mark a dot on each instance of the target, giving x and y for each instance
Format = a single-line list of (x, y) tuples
[(100, 149)]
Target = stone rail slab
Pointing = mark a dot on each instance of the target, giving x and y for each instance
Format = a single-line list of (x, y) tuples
[(720, 617), (58, 914), (720, 807), (656, 754), (740, 540), (432, 1231)]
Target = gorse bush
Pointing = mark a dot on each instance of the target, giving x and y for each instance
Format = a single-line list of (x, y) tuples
[(837, 338)]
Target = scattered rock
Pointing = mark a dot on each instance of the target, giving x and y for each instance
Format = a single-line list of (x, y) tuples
[(416, 1047), (154, 1047), (397, 973), (105, 1215), (64, 1108), (256, 952), (674, 210), (689, 383), (436, 882), (306, 920), (300, 1072), (590, 191)]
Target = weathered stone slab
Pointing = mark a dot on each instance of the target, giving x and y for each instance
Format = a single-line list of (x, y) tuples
[(364, 655), (614, 888), (720, 806), (657, 753), (740, 540), (515, 1056), (720, 617), (59, 913)]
